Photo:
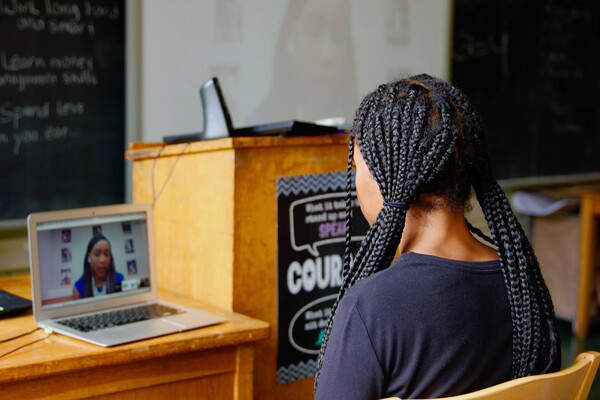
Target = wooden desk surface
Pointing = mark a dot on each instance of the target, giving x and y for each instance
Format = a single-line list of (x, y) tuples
[(60, 354)]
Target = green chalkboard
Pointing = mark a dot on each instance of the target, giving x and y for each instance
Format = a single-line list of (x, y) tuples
[(532, 68), (62, 105)]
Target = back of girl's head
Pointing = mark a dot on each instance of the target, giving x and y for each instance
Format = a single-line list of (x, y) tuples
[(418, 136), (413, 137)]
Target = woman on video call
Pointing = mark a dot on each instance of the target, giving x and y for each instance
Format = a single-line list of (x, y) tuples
[(99, 274)]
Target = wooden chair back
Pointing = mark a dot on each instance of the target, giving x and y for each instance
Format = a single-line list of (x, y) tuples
[(571, 383)]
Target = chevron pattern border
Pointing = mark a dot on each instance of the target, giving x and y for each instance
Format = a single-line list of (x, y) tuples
[(293, 372), (306, 184)]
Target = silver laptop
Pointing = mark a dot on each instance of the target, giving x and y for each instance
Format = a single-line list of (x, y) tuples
[(93, 276)]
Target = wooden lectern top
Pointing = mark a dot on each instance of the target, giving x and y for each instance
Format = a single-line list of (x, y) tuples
[(140, 151)]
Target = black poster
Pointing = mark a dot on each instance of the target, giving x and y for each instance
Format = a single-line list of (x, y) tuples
[(311, 213)]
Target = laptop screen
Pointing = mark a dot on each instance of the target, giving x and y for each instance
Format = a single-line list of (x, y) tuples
[(90, 259)]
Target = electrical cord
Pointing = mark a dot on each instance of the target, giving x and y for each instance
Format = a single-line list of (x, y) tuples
[(154, 195), (49, 332), (18, 336)]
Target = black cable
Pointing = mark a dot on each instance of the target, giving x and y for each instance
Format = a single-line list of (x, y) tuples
[(154, 195), (26, 344), (18, 336)]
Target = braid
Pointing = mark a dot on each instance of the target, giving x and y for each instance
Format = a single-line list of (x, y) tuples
[(420, 135), (349, 181), (536, 345), (479, 233), (390, 128)]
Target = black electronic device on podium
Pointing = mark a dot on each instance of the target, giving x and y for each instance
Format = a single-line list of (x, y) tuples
[(218, 124)]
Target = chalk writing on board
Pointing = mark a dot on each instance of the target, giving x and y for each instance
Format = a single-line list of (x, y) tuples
[(560, 27), (62, 114), (529, 68), (14, 115), (467, 46), (22, 72), (56, 16)]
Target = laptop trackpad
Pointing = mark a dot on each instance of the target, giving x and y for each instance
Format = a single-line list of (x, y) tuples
[(193, 319), (172, 322), (135, 331)]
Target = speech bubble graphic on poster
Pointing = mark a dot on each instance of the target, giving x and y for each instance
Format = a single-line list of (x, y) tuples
[(306, 325), (319, 220)]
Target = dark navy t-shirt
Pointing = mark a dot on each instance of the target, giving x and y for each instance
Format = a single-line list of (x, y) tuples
[(425, 327)]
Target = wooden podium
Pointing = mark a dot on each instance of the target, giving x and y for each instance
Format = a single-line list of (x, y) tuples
[(215, 209)]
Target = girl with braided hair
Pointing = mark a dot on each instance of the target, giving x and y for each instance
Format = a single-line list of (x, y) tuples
[(426, 309)]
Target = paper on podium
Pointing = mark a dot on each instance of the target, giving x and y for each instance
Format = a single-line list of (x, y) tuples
[(540, 205)]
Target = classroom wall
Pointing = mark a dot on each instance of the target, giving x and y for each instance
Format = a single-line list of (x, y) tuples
[(279, 60), (275, 61)]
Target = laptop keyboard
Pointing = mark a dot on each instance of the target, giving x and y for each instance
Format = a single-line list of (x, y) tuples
[(124, 316)]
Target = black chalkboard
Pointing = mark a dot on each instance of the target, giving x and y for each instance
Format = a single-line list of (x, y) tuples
[(62, 104), (531, 67)]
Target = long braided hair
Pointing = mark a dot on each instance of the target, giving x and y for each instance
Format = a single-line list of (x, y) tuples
[(420, 135)]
